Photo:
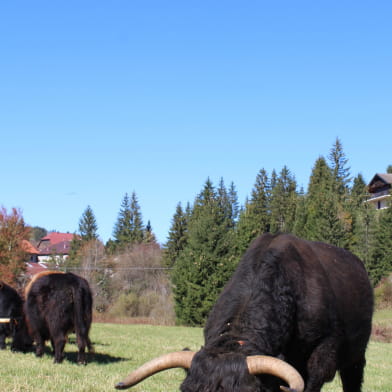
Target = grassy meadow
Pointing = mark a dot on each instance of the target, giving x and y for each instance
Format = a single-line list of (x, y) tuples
[(119, 348)]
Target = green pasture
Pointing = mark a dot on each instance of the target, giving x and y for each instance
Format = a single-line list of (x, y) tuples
[(120, 348)]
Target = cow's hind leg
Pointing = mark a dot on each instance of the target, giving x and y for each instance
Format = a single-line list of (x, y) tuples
[(321, 366), (82, 343), (58, 346), (352, 376)]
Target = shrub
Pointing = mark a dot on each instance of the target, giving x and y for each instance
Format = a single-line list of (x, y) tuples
[(383, 293)]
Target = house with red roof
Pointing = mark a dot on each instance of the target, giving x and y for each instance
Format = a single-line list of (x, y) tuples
[(55, 245), (33, 265)]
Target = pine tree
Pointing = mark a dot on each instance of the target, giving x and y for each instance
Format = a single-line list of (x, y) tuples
[(322, 208), (149, 236), (364, 229), (137, 229), (206, 262), (88, 225), (340, 172), (381, 262), (300, 215), (129, 228), (123, 227), (358, 191), (177, 238), (283, 202), (254, 218)]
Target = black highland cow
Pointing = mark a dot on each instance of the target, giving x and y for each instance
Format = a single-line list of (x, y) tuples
[(293, 310), (57, 304), (12, 321)]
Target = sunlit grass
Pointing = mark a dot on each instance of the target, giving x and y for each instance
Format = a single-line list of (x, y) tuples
[(121, 348)]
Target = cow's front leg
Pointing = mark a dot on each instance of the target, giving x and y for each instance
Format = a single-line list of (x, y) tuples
[(2, 341)]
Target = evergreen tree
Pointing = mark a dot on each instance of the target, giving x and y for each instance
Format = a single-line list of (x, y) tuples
[(74, 259), (136, 221), (177, 237), (364, 229), (389, 169), (322, 208), (340, 172), (227, 203), (123, 227), (36, 233), (300, 215), (283, 202), (206, 262), (149, 236), (88, 225), (358, 191), (381, 263), (129, 226), (254, 218)]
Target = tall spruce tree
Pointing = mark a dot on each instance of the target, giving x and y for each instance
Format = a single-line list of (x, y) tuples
[(123, 227), (300, 215), (381, 262), (206, 262), (283, 202), (340, 171), (322, 207), (254, 218), (137, 228), (88, 228), (177, 237), (129, 228)]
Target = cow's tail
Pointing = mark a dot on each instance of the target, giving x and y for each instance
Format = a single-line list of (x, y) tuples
[(83, 315)]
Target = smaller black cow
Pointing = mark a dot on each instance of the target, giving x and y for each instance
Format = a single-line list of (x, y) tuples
[(12, 321), (57, 304)]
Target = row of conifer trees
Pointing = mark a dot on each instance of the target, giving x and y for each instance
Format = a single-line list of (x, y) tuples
[(207, 238)]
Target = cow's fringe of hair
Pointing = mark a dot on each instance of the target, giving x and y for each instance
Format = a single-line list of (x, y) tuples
[(36, 277)]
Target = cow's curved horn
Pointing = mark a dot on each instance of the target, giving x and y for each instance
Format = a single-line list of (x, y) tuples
[(177, 359), (258, 364)]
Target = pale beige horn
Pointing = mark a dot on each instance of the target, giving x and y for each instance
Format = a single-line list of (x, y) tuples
[(177, 359), (262, 364), (5, 320)]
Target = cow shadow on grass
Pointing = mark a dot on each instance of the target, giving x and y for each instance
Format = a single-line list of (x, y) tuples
[(94, 357), (91, 357)]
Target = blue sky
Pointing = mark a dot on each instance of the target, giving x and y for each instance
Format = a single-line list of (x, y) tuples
[(99, 99)]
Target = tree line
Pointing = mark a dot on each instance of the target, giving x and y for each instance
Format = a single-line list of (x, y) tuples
[(132, 274)]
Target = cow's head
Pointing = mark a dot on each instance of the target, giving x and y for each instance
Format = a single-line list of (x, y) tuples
[(208, 371), (21, 340)]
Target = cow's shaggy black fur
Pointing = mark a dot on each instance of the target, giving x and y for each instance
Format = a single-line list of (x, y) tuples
[(57, 304), (307, 303)]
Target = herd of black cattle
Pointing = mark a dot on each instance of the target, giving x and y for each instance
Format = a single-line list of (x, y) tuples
[(294, 312)]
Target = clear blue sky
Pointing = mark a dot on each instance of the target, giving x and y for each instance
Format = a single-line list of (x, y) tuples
[(102, 98)]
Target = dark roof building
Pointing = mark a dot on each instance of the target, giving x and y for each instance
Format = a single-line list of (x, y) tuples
[(380, 190)]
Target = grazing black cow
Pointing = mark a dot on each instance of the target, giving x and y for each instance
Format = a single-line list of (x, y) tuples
[(307, 304), (56, 305), (12, 321)]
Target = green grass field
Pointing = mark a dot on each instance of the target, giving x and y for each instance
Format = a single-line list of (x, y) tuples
[(121, 348)]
